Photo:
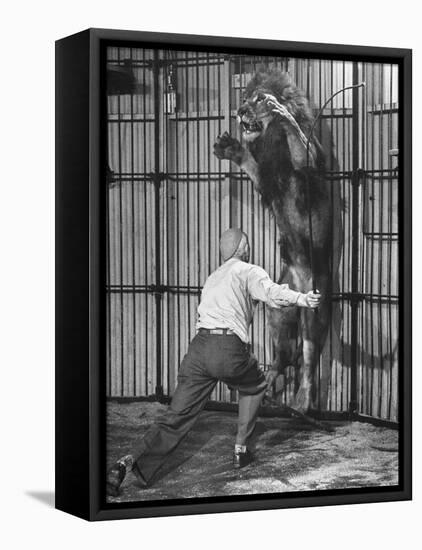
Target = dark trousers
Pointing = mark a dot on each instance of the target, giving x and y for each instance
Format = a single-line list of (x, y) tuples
[(210, 358)]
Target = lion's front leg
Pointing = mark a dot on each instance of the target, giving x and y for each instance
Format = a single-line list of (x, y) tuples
[(302, 155), (228, 148), (302, 150)]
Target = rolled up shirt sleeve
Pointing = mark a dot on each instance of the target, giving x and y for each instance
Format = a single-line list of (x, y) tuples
[(262, 288)]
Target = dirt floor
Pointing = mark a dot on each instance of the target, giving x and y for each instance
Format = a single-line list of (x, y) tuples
[(289, 456)]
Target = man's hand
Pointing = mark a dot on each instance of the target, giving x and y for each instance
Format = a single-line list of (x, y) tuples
[(311, 299)]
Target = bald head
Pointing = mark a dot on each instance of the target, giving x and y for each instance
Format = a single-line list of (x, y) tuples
[(234, 244)]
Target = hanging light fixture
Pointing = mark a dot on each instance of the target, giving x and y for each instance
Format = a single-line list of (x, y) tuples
[(170, 93)]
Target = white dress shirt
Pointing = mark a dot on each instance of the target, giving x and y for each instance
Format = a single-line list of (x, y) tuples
[(231, 293)]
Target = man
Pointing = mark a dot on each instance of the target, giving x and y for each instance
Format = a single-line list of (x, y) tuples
[(219, 352)]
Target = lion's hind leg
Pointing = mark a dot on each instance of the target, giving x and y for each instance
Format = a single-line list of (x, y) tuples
[(314, 326), (283, 326)]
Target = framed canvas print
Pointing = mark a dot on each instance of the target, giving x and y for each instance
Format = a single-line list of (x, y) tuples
[(233, 274)]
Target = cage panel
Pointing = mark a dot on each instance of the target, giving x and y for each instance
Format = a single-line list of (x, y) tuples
[(170, 198)]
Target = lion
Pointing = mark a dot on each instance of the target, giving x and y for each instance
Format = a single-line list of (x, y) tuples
[(288, 170)]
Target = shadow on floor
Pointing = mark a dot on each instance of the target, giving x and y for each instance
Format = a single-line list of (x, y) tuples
[(45, 497)]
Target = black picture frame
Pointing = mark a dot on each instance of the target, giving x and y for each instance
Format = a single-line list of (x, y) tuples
[(80, 278)]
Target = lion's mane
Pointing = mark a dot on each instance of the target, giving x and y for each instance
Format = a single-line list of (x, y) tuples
[(271, 149), (281, 86)]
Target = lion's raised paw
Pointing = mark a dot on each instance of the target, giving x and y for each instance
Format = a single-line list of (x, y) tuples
[(228, 148)]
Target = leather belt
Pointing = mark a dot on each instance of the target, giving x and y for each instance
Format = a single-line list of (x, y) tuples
[(220, 331)]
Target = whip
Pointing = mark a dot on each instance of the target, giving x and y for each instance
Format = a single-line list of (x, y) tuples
[(308, 188)]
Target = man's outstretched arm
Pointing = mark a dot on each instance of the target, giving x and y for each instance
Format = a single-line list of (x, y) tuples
[(262, 288)]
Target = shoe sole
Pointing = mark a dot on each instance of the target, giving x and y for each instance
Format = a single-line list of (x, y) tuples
[(240, 466)]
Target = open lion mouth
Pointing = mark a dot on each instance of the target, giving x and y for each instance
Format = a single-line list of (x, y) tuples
[(251, 127)]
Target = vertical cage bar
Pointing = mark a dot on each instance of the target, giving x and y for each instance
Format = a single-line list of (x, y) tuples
[(187, 202), (347, 185), (119, 133), (355, 244), (145, 214), (108, 250), (390, 245), (198, 180), (157, 184), (362, 332), (166, 229), (133, 252), (371, 272), (380, 241)]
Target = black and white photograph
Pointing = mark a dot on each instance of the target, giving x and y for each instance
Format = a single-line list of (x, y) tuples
[(252, 274), (210, 275)]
